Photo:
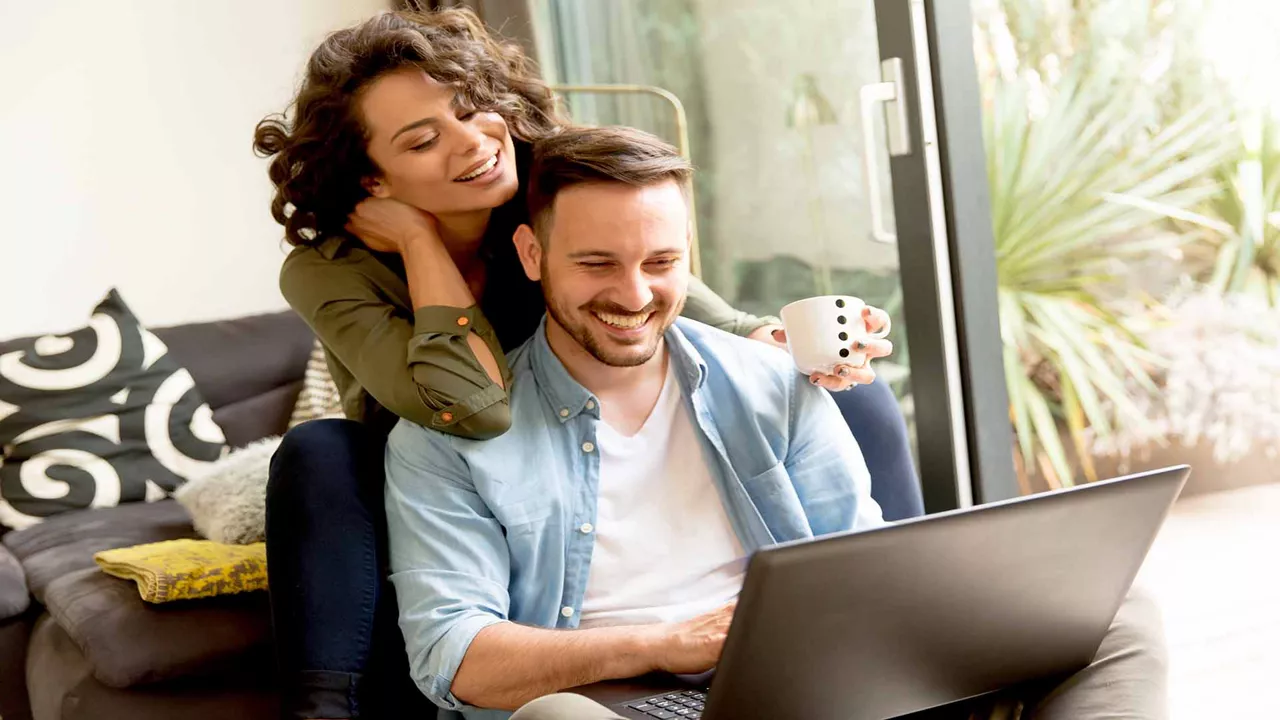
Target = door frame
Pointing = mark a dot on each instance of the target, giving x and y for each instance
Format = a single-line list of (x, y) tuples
[(946, 254)]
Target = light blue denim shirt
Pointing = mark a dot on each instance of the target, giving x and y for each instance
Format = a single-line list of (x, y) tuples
[(486, 531)]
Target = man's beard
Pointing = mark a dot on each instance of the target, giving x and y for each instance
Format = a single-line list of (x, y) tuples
[(583, 335)]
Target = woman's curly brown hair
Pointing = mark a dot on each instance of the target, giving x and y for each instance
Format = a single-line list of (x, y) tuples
[(318, 148)]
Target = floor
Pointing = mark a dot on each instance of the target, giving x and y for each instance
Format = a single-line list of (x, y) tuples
[(1216, 569)]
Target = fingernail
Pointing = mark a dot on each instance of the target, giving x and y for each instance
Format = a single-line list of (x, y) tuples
[(813, 381), (844, 372), (859, 345)]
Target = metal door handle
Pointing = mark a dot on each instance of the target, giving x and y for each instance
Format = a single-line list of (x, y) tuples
[(890, 93)]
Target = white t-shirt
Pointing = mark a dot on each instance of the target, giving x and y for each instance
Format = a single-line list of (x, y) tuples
[(664, 548)]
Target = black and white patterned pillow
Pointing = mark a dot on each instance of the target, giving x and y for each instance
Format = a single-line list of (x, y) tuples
[(319, 397), (96, 418)]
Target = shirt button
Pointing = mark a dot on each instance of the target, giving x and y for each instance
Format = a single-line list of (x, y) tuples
[(586, 528), (588, 447), (463, 322), (446, 417), (591, 404), (564, 412), (566, 611)]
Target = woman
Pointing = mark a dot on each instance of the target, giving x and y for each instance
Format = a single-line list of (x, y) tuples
[(398, 182)]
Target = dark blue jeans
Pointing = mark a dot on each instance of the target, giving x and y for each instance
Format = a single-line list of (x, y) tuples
[(874, 417), (340, 650), (333, 611)]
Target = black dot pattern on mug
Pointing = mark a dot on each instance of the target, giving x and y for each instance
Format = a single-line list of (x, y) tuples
[(839, 303), (844, 337), (844, 352), (842, 319)]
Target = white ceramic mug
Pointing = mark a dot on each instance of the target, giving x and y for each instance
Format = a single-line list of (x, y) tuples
[(821, 332)]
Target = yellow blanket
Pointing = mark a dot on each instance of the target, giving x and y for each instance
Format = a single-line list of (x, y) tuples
[(187, 569)]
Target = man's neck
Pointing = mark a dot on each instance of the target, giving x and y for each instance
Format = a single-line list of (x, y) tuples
[(627, 394), (462, 234)]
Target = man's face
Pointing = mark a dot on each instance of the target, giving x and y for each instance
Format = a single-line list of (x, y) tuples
[(614, 267)]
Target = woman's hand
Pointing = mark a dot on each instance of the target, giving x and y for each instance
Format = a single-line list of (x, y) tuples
[(846, 376), (387, 225)]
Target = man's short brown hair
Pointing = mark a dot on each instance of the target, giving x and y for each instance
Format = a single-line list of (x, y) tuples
[(582, 155)]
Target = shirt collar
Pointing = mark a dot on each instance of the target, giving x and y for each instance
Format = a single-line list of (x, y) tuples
[(569, 399), (329, 246), (688, 361)]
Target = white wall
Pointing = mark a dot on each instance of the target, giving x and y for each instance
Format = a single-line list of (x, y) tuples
[(126, 159)]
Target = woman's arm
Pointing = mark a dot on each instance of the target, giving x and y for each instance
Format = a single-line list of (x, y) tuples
[(424, 367), (434, 281), (705, 306)]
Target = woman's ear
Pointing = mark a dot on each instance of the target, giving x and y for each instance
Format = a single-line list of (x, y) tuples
[(529, 248), (375, 187)]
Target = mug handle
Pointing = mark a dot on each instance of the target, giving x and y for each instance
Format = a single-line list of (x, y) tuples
[(883, 332)]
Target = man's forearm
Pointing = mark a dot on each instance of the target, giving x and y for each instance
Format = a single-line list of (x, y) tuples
[(508, 665)]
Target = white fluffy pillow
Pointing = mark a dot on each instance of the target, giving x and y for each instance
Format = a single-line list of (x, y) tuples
[(228, 503)]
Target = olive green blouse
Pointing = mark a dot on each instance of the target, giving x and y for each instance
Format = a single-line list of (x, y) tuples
[(388, 360)]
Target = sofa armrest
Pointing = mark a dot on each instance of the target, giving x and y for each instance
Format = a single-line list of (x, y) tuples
[(15, 634), (14, 597)]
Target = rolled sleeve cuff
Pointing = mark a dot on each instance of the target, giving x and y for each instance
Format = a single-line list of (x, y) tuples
[(440, 326), (446, 320), (446, 658), (475, 403)]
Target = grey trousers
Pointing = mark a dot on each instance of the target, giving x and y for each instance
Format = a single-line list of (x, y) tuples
[(1127, 679)]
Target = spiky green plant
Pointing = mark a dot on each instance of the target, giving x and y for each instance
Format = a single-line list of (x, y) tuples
[(1239, 227), (1073, 187)]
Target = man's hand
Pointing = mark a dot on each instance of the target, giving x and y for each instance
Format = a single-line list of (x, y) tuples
[(693, 646), (507, 665), (387, 225)]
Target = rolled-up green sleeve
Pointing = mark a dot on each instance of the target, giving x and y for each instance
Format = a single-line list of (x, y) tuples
[(417, 365), (705, 306), (441, 360)]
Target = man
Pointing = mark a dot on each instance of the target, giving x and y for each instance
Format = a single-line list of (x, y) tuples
[(605, 535)]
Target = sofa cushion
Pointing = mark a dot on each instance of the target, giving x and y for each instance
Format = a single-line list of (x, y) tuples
[(98, 417), (67, 689), (250, 369), (66, 543), (130, 642), (14, 597)]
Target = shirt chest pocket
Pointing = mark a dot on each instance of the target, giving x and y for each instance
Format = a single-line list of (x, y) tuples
[(775, 498), (525, 514)]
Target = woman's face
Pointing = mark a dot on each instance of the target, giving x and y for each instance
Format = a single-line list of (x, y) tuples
[(435, 152)]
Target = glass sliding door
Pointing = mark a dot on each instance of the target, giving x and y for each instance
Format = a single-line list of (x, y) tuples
[(817, 133)]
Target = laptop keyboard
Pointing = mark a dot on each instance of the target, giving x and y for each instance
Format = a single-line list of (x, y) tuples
[(687, 704)]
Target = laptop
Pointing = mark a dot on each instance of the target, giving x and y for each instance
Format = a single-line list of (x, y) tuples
[(929, 611)]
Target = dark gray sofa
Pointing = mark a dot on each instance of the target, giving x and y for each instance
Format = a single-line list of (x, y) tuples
[(194, 660)]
